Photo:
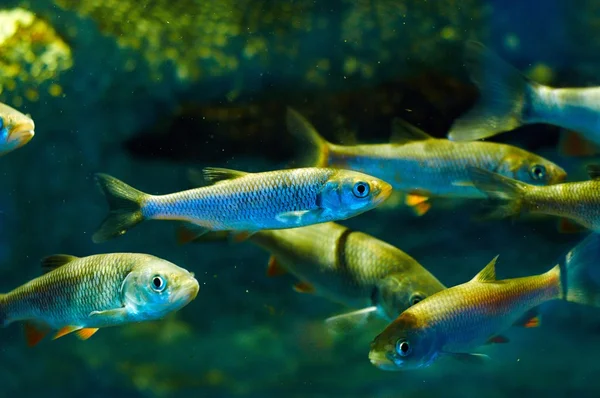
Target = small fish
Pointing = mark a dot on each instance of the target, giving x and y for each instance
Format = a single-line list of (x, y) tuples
[(423, 166), (458, 320), (577, 201), (508, 100), (16, 129), (347, 267), (83, 294), (240, 201)]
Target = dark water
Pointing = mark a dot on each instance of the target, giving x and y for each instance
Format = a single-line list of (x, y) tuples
[(146, 91)]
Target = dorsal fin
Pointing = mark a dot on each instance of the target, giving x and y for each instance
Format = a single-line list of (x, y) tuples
[(593, 171), (196, 178), (217, 174), (403, 132), (58, 260), (488, 274)]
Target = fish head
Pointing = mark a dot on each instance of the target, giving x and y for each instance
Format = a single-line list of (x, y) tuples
[(406, 343), (16, 129), (348, 193), (530, 168), (156, 288), (399, 291)]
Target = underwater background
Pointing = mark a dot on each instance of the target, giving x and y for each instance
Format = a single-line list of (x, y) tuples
[(145, 90)]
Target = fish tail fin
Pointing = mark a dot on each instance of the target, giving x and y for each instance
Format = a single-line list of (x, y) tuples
[(125, 209), (505, 96), (318, 153), (580, 274), (508, 193)]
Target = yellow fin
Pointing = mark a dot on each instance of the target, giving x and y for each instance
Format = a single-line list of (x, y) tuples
[(35, 332), (86, 333), (488, 273), (419, 203), (188, 232), (274, 268), (533, 322), (65, 330), (304, 287)]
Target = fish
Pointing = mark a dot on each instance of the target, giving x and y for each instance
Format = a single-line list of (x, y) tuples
[(83, 294), (508, 99), (421, 166), (348, 267), (16, 129), (576, 201), (240, 201), (456, 321)]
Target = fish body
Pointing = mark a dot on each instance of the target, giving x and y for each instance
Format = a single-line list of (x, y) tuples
[(421, 165), (16, 129), (508, 100), (456, 321), (349, 267), (84, 294), (239, 201), (577, 201)]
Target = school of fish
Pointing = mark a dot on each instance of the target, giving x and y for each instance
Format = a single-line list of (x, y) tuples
[(292, 215)]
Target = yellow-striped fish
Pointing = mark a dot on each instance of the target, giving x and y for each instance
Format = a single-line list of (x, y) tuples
[(239, 201), (577, 201), (458, 320), (16, 129), (84, 294), (422, 166), (350, 268)]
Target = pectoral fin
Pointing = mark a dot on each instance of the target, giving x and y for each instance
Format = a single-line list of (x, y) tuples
[(345, 323), (300, 217), (110, 315), (304, 287), (566, 226), (472, 358), (419, 204)]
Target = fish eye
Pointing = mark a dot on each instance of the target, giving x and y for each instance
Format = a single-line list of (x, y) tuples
[(158, 283), (538, 172), (403, 347), (415, 299), (361, 189)]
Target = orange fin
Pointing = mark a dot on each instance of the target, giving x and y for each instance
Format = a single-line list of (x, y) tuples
[(497, 340), (573, 144), (304, 287), (242, 236), (419, 203), (529, 322), (65, 330), (413, 200), (34, 333), (188, 232), (86, 333), (274, 268), (566, 226)]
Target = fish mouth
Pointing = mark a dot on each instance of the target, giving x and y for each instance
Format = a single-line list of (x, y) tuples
[(381, 361), (21, 134), (186, 293), (385, 191)]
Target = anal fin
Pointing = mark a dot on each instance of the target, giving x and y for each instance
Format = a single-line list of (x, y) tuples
[(188, 232), (35, 332), (531, 319), (65, 330)]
